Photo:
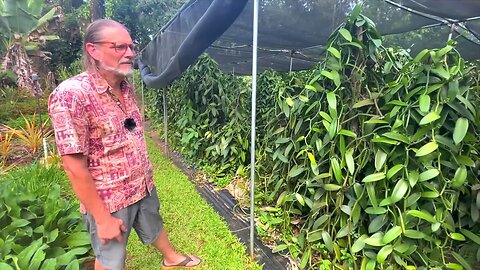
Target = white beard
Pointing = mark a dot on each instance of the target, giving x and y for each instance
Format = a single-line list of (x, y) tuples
[(116, 70)]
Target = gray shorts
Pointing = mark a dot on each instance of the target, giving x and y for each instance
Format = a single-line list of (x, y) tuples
[(143, 216)]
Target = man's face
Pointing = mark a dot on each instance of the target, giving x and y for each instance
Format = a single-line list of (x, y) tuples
[(114, 52)]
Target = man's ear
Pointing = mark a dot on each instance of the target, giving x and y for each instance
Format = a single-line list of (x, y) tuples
[(93, 51)]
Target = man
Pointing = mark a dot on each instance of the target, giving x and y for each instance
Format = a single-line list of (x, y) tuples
[(99, 134)]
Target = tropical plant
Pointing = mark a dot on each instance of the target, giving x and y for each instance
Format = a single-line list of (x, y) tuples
[(32, 134), (5, 151), (24, 27), (40, 228)]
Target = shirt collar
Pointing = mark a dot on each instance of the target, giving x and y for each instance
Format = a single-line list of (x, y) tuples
[(101, 85)]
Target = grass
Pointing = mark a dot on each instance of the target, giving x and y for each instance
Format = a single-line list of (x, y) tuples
[(193, 226)]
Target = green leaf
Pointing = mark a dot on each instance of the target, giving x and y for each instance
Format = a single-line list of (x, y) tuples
[(359, 244), (454, 266), (334, 52), (290, 101), (305, 258), (423, 214), (461, 128), (5, 266), (426, 149), (26, 255), (349, 160), (377, 223), (282, 140), (374, 241), (332, 100), (464, 160), (460, 177), (363, 103), (399, 191), (313, 163), (370, 265), (413, 177), (78, 239), (303, 98), (385, 140), (279, 248), (327, 240), (331, 187), (397, 136), (380, 158), (320, 221), (429, 118), (430, 194), (373, 177), (441, 72), (347, 133), (392, 234), (428, 174), (472, 236), (300, 199), (375, 210), (444, 51), (325, 116), (461, 260), (315, 236), (457, 236), (295, 171), (336, 170), (414, 234), (420, 55), (394, 170), (345, 34), (383, 253), (424, 101)]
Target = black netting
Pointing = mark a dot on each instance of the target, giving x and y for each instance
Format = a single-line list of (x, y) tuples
[(293, 33)]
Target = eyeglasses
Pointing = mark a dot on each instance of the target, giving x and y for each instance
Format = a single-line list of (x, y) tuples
[(119, 47), (129, 124)]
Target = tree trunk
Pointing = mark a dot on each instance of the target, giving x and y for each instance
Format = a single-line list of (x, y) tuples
[(97, 9)]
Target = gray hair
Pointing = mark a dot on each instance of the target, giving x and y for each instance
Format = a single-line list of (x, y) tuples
[(94, 34)]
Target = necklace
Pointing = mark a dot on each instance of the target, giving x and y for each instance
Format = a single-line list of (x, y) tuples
[(117, 101)]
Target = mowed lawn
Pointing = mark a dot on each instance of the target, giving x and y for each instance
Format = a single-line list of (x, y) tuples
[(193, 226)]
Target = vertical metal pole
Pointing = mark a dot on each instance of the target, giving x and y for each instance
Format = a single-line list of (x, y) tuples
[(253, 126), (452, 28), (165, 119), (143, 102)]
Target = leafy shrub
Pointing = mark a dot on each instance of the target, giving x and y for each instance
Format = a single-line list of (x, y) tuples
[(8, 79), (40, 229)]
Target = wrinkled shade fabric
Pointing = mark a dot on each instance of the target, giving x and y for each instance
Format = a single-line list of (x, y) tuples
[(292, 33)]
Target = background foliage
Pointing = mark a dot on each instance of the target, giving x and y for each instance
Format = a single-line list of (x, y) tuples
[(367, 161)]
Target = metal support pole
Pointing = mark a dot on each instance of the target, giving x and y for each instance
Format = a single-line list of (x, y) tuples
[(35, 79), (253, 126), (291, 61), (452, 28), (165, 120)]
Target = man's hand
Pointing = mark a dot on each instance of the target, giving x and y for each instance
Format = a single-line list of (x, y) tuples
[(110, 228)]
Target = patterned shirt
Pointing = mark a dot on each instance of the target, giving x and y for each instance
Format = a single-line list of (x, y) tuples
[(87, 120)]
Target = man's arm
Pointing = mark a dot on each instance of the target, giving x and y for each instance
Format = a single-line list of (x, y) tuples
[(108, 227)]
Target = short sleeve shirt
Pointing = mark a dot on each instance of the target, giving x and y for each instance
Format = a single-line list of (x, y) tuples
[(87, 121)]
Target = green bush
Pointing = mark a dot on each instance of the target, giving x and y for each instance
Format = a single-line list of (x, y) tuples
[(40, 228), (8, 79), (366, 161)]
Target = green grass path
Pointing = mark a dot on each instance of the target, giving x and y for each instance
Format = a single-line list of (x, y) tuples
[(193, 226)]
